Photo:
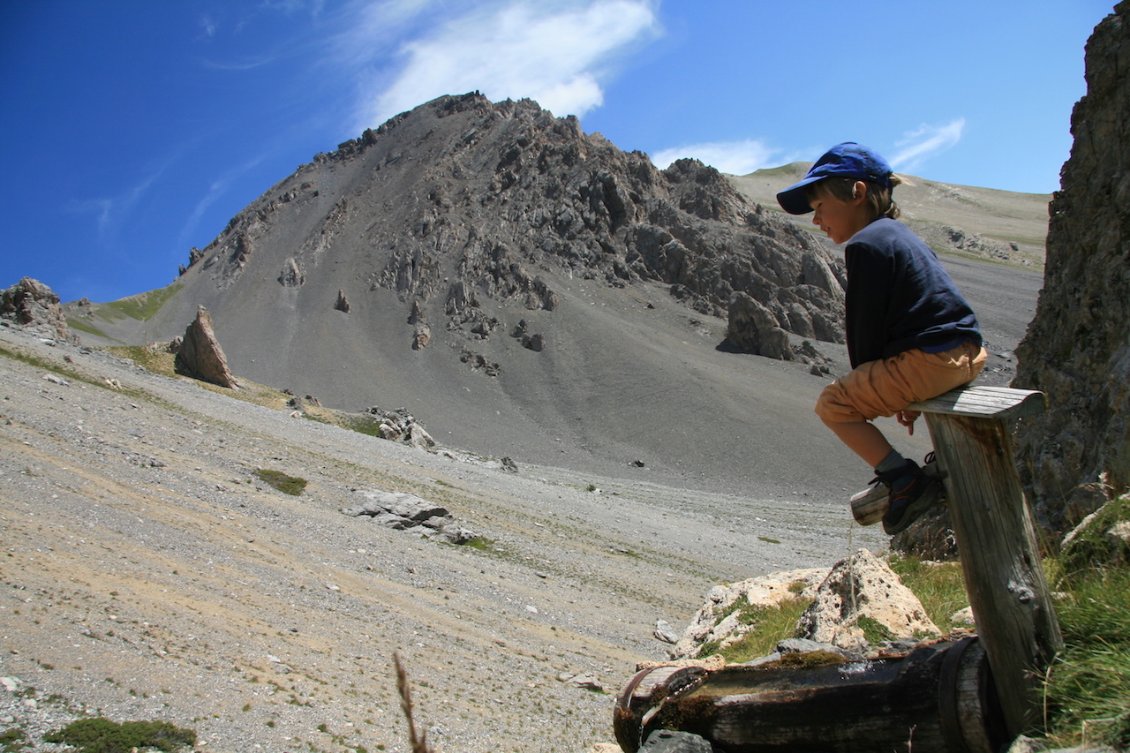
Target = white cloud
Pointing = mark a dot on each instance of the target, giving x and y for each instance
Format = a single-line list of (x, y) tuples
[(732, 157), (924, 142), (553, 52)]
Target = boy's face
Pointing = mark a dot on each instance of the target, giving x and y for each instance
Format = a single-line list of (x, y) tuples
[(838, 218)]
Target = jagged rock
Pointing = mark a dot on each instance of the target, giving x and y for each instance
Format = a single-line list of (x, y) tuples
[(421, 336), (1076, 349), (708, 625), (752, 328), (34, 306), (200, 355), (342, 303), (291, 276), (400, 426), (863, 589), (401, 511)]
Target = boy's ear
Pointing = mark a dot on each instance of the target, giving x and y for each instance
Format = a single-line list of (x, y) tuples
[(859, 190)]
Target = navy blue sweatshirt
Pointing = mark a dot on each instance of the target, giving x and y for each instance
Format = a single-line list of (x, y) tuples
[(899, 297)]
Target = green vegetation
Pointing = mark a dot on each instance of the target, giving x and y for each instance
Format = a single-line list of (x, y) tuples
[(12, 740), (940, 586), (104, 736), (141, 307), (83, 325), (770, 626), (1087, 686), (291, 485), (154, 359)]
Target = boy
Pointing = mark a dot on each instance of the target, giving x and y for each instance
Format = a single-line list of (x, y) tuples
[(910, 333)]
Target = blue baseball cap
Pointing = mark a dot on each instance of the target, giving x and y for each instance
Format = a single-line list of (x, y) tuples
[(846, 160)]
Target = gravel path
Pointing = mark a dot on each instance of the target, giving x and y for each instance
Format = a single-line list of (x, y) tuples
[(147, 573)]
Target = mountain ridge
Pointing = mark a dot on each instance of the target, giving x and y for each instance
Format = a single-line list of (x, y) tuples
[(498, 226)]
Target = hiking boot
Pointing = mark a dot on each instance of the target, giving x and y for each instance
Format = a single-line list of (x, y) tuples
[(912, 492)]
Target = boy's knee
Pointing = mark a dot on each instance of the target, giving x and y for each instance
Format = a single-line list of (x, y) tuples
[(832, 408)]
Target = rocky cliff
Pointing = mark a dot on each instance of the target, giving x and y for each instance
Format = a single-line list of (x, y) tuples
[(461, 200), (1077, 348)]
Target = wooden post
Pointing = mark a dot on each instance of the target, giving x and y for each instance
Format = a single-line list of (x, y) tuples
[(996, 541)]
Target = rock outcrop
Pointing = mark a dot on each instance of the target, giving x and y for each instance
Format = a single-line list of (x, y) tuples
[(858, 602), (35, 307), (200, 355), (401, 512), (1077, 349)]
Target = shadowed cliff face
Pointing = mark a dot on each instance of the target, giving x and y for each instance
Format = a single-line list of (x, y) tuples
[(1077, 349)]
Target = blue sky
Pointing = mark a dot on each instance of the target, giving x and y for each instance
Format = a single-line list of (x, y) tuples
[(133, 130)]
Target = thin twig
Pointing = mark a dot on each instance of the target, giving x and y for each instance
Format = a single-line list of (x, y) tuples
[(419, 744)]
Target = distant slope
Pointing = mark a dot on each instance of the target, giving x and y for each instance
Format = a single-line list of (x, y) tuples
[(974, 222)]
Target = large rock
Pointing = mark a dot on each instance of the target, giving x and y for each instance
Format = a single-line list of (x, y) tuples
[(1077, 349), (863, 597), (717, 621), (200, 355), (35, 307)]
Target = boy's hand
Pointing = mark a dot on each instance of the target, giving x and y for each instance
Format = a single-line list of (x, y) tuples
[(907, 419)]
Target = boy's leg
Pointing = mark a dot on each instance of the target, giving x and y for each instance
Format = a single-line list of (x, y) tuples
[(887, 386), (883, 388)]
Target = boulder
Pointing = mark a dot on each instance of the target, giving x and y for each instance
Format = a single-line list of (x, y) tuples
[(200, 355), (861, 599), (401, 511), (753, 328), (33, 306)]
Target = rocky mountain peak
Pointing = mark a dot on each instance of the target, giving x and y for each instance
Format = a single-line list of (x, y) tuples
[(462, 201)]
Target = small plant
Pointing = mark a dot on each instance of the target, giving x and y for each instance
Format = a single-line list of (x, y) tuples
[(291, 485), (12, 740), (101, 735)]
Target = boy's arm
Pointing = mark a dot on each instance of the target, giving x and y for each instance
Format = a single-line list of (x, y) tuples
[(868, 298)]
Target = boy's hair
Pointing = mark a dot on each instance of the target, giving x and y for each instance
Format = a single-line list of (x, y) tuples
[(879, 201)]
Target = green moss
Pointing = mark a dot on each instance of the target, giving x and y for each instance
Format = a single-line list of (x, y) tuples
[(1091, 549), (101, 735), (291, 485), (874, 632)]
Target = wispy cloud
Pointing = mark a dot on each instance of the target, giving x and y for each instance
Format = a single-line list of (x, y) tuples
[(557, 53), (924, 142), (216, 189), (733, 157), (111, 212)]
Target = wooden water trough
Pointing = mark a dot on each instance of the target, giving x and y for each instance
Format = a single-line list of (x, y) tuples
[(938, 698), (947, 697)]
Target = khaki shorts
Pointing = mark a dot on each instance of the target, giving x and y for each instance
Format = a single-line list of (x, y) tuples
[(884, 387)]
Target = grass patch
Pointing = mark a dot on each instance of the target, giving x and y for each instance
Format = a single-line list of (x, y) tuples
[(155, 359), (1087, 686), (83, 325), (13, 740), (291, 485), (141, 307), (771, 625), (940, 586), (104, 736)]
